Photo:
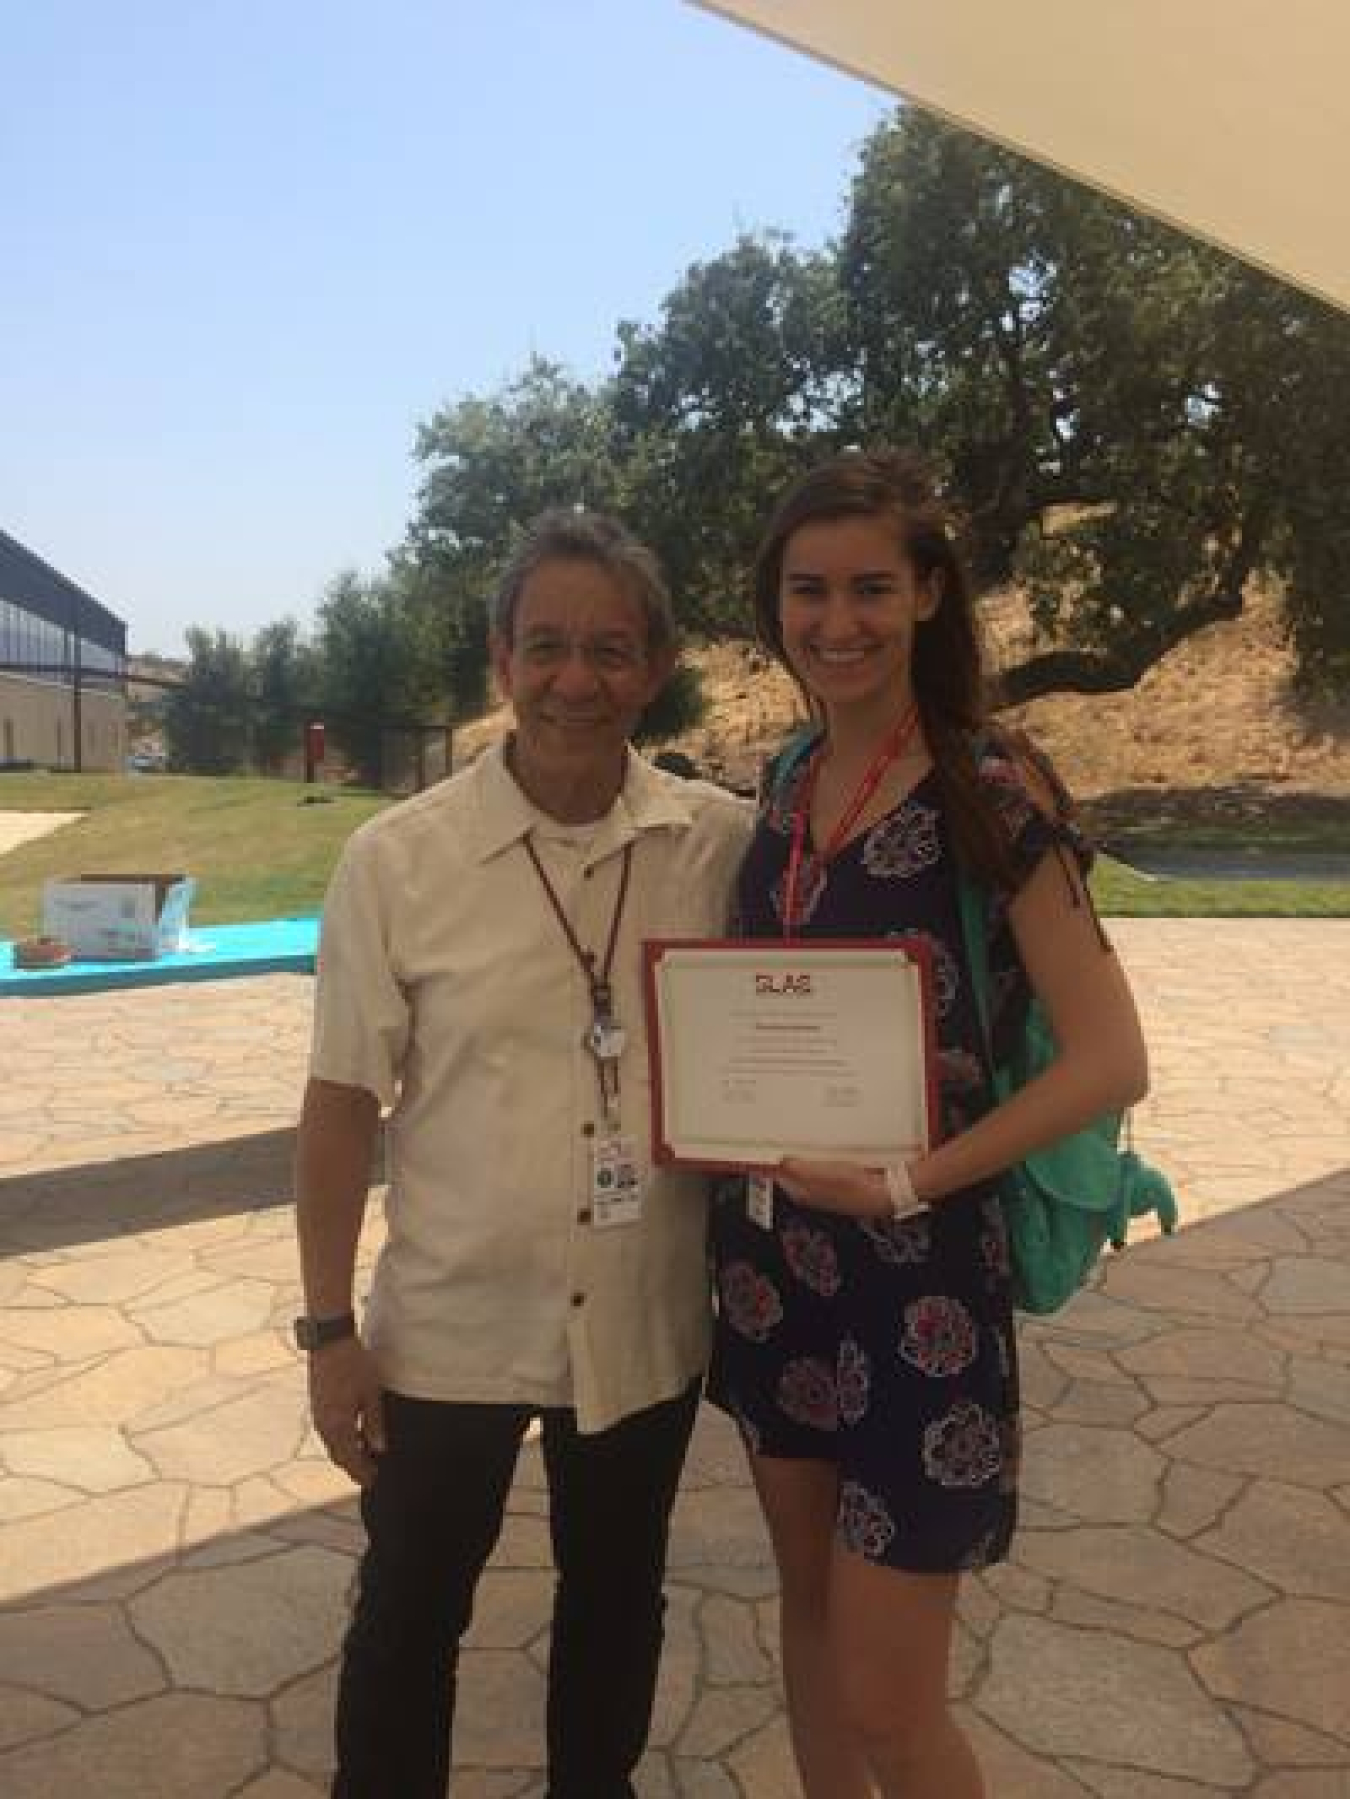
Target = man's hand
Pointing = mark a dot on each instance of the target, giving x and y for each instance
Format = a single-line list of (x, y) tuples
[(345, 1399)]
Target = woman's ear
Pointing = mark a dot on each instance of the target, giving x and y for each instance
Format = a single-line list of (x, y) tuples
[(931, 589)]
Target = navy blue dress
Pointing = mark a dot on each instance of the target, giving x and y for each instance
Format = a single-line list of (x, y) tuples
[(888, 1349)]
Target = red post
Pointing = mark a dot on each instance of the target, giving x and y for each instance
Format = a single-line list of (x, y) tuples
[(313, 751)]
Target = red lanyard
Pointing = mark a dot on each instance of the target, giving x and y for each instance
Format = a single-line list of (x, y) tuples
[(890, 751)]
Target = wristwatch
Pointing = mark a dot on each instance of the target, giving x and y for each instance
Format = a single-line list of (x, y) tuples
[(314, 1333)]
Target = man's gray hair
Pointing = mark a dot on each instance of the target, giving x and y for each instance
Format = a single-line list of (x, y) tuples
[(566, 536)]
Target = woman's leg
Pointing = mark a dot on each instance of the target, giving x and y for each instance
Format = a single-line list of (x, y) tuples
[(890, 1645), (800, 1499)]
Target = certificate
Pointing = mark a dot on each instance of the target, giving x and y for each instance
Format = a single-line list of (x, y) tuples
[(762, 1049)]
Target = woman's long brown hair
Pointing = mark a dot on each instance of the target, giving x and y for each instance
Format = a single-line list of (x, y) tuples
[(948, 665)]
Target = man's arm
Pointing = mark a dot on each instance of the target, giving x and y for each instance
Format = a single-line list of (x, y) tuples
[(335, 1144)]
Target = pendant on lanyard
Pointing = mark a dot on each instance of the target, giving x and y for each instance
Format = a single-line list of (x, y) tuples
[(890, 751), (604, 1037)]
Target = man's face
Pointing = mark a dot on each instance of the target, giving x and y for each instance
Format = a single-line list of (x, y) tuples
[(577, 669)]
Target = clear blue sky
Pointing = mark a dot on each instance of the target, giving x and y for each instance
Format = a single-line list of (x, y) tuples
[(249, 244)]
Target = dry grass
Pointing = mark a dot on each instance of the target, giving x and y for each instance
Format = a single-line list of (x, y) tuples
[(1217, 722)]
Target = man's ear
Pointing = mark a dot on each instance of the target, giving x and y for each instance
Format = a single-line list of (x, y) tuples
[(661, 666), (499, 658)]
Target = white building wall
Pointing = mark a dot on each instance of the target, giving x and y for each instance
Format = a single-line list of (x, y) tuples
[(36, 725)]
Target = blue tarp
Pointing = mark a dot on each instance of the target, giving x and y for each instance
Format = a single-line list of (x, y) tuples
[(214, 953)]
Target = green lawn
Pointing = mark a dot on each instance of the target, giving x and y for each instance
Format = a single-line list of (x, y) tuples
[(258, 850), (1121, 891)]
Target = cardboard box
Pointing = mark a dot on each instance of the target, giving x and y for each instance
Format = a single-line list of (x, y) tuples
[(119, 917)]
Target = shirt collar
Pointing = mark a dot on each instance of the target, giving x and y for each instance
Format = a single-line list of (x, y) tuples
[(648, 800)]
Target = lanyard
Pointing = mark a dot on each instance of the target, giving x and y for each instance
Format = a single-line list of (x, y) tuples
[(604, 1036), (891, 749)]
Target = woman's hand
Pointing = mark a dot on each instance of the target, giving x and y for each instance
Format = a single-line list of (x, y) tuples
[(844, 1187)]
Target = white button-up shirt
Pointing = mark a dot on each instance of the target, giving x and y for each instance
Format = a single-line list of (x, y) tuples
[(447, 987)]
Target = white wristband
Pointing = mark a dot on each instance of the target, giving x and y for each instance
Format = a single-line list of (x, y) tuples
[(905, 1202)]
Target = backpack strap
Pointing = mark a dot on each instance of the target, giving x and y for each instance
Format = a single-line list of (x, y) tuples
[(780, 769), (973, 907)]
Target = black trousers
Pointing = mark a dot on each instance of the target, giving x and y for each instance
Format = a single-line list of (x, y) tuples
[(432, 1516)]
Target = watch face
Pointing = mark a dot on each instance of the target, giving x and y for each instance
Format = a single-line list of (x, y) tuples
[(313, 1333)]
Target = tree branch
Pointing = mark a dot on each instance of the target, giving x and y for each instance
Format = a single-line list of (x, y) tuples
[(1117, 669)]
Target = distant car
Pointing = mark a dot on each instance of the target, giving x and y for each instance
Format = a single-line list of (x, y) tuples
[(146, 762)]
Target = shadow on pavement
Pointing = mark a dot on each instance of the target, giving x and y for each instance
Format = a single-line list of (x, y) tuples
[(61, 1208)]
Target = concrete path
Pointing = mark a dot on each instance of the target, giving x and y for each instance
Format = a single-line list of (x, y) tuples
[(175, 1552), (26, 827)]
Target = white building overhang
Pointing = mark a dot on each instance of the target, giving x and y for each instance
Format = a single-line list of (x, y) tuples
[(1227, 118)]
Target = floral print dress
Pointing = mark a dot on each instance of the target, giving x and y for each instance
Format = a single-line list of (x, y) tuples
[(888, 1349)]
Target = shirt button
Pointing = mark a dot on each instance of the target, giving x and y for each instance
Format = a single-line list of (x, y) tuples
[(588, 1129), (584, 1215), (578, 1299), (586, 873)]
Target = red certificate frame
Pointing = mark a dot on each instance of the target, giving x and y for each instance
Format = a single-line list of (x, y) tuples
[(823, 1083)]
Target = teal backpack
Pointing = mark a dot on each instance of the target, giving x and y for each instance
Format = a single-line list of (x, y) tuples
[(1062, 1204), (1065, 1203)]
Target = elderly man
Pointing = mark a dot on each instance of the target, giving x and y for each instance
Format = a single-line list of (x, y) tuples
[(480, 974)]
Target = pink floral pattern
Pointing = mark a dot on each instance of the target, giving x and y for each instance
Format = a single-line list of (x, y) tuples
[(903, 844), (939, 1336), (959, 1069), (750, 1301), (865, 1524), (962, 1448), (946, 978), (807, 1393), (810, 1255), (900, 1242), (994, 1254), (888, 1349), (854, 1380), (1009, 793), (783, 797), (811, 879)]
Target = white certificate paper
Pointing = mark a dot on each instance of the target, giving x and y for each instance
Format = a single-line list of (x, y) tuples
[(761, 1049)]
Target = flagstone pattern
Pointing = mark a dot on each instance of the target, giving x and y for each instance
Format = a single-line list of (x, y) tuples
[(176, 1554)]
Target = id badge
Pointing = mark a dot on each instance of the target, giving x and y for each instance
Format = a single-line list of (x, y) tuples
[(616, 1182), (759, 1199)]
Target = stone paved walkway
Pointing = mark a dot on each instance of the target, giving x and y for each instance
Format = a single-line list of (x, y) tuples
[(175, 1552)]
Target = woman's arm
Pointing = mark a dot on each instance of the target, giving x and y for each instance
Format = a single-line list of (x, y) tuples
[(1102, 1063)]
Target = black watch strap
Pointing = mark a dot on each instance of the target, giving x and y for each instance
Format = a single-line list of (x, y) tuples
[(314, 1333)]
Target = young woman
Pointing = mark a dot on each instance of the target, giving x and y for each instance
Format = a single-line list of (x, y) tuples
[(865, 1339)]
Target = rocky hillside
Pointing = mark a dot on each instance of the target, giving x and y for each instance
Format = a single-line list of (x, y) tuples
[(1216, 725)]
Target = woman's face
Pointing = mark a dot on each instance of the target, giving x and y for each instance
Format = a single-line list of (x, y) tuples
[(848, 602)]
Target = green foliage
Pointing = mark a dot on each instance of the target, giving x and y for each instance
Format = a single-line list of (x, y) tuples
[(1132, 425), (206, 717), (680, 705), (493, 465), (377, 670), (743, 383), (284, 687)]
